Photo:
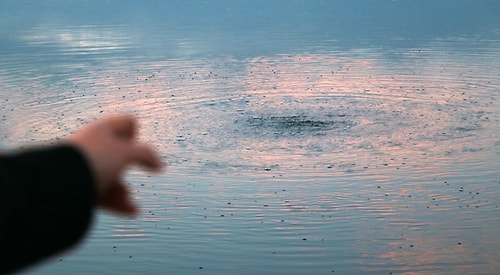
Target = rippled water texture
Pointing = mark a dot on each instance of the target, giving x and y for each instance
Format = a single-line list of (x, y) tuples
[(290, 150)]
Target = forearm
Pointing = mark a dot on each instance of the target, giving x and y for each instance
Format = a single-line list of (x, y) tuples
[(47, 199)]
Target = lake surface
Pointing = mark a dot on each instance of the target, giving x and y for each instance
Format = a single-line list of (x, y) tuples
[(300, 137)]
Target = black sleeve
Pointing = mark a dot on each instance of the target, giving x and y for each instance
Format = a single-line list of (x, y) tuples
[(47, 199)]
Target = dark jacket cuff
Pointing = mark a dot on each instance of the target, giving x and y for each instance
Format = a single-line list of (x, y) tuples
[(46, 203)]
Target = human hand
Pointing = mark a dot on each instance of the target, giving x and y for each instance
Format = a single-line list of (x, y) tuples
[(110, 146)]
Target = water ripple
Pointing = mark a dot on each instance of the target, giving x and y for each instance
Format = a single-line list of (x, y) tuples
[(367, 159)]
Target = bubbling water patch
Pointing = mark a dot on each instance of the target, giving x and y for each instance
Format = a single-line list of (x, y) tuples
[(285, 126)]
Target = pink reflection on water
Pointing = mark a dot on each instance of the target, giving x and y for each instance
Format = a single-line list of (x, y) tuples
[(399, 121)]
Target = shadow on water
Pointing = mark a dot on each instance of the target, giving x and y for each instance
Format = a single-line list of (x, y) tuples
[(295, 125)]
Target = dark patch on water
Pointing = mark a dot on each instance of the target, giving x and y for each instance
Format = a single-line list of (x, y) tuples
[(297, 125)]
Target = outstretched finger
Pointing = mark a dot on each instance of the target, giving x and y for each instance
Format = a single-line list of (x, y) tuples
[(146, 156)]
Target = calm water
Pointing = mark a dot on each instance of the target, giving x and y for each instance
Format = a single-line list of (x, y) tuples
[(300, 137)]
